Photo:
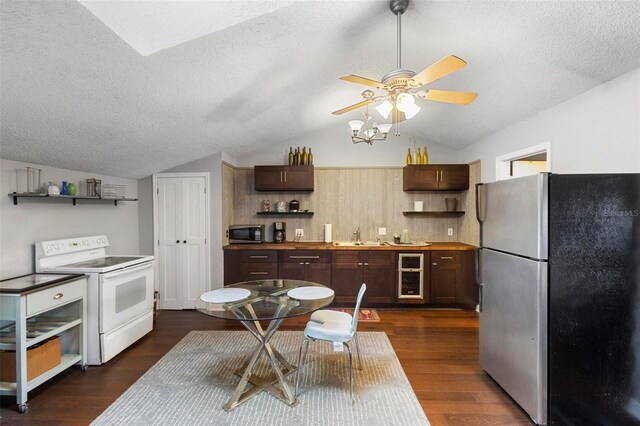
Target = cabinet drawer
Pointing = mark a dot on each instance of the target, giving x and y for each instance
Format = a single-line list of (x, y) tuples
[(445, 257), (346, 256), (53, 297), (381, 258), (257, 271), (259, 256), (297, 256)]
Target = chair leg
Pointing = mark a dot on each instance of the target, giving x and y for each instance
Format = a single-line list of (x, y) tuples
[(358, 352), (300, 364), (350, 371)]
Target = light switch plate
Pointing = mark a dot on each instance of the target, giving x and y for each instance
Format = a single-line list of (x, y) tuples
[(382, 231), (449, 231)]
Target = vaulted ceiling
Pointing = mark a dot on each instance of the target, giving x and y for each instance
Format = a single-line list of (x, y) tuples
[(133, 90)]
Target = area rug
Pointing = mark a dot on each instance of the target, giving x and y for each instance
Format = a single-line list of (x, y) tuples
[(189, 385), (365, 315)]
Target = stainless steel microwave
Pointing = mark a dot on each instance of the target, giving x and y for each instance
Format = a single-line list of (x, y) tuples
[(246, 234)]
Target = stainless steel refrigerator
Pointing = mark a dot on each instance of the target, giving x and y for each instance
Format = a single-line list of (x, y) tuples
[(559, 274)]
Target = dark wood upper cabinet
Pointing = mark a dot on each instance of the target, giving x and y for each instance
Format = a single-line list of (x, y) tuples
[(435, 177), (283, 178)]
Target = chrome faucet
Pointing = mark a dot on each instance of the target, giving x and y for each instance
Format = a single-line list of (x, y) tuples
[(357, 234)]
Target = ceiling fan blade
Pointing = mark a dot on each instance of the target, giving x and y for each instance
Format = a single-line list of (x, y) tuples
[(397, 116), (460, 98), (444, 66), (352, 107), (362, 80)]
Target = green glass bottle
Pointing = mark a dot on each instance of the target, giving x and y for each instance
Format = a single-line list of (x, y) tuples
[(291, 156), (409, 159), (310, 158), (304, 156)]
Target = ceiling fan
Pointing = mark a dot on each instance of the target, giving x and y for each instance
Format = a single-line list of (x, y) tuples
[(402, 84)]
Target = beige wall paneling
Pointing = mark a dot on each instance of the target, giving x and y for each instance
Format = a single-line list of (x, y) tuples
[(228, 199), (469, 226)]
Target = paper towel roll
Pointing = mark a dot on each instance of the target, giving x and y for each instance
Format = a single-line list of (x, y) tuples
[(327, 232)]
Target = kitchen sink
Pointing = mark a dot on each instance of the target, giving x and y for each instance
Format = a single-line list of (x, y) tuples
[(359, 244)]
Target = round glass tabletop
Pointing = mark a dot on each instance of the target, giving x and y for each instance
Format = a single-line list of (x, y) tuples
[(266, 300)]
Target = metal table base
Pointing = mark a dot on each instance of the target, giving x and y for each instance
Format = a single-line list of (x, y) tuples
[(279, 374)]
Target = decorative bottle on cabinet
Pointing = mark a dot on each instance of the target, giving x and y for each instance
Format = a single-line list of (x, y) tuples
[(425, 156), (418, 157), (305, 158), (310, 158), (296, 157), (409, 159), (291, 156)]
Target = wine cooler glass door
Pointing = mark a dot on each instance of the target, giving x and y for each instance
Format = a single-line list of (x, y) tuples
[(410, 270)]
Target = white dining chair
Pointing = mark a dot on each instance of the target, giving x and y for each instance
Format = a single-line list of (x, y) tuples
[(324, 315), (332, 331)]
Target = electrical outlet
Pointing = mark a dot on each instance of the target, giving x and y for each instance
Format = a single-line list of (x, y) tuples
[(449, 231), (382, 231), (299, 232)]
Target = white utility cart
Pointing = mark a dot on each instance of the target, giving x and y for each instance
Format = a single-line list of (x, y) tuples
[(36, 310)]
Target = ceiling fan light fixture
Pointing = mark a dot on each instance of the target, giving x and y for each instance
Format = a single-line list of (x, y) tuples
[(385, 109), (411, 111), (405, 102)]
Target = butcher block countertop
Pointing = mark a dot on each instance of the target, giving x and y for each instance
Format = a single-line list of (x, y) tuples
[(330, 246)]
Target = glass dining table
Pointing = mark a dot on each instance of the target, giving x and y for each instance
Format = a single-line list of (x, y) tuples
[(264, 301)]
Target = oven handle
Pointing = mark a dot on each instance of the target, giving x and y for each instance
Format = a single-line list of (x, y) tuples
[(119, 272)]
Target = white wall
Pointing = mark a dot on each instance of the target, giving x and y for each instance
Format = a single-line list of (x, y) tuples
[(333, 148), (30, 221), (595, 132), (213, 165)]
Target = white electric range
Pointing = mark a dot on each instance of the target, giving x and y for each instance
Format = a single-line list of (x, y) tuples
[(119, 293)]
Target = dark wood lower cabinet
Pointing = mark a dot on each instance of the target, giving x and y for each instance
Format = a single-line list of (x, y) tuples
[(453, 279), (350, 269), (307, 265), (249, 265)]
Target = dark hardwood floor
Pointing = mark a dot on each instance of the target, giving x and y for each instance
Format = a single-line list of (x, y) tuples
[(438, 350)]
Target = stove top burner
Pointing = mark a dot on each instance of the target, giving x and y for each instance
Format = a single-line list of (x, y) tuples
[(103, 262)]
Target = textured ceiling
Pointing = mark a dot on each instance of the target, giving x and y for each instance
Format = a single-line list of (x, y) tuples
[(73, 94)]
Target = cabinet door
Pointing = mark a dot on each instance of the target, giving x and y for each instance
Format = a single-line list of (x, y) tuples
[(453, 177), (346, 276), (318, 273), (292, 271), (380, 277), (232, 266), (445, 276), (258, 271), (420, 178), (298, 178), (268, 178)]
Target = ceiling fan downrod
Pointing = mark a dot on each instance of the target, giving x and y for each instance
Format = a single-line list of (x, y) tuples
[(398, 7)]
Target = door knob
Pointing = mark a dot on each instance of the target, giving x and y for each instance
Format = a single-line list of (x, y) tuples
[(185, 241)]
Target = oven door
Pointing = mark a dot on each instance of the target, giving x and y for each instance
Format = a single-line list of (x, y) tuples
[(125, 295)]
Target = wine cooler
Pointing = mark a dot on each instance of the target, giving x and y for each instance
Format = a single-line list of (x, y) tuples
[(410, 275)]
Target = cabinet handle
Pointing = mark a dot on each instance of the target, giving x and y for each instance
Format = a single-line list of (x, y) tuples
[(359, 263), (58, 296), (255, 256), (281, 176), (258, 273), (304, 257), (446, 257), (434, 264), (366, 263), (285, 175), (302, 263), (306, 263)]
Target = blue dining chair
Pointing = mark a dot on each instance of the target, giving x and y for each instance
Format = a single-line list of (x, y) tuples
[(332, 331)]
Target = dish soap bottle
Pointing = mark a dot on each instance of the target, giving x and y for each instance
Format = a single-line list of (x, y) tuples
[(425, 156), (409, 159)]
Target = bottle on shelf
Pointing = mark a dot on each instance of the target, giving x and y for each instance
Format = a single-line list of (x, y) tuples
[(305, 158), (310, 158), (291, 156), (418, 157), (409, 157), (425, 156), (296, 157)]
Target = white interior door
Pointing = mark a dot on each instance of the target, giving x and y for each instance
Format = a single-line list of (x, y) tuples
[(194, 237), (181, 228), (169, 230)]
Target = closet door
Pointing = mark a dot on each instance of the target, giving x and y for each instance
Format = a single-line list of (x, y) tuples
[(169, 228), (194, 237)]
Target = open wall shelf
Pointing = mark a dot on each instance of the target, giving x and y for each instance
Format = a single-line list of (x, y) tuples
[(47, 197), (434, 214), (284, 213)]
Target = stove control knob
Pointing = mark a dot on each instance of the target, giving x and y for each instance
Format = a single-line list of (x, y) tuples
[(49, 248), (85, 242), (56, 246)]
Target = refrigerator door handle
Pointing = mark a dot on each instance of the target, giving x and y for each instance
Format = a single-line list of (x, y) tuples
[(478, 194), (479, 278), (480, 288)]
